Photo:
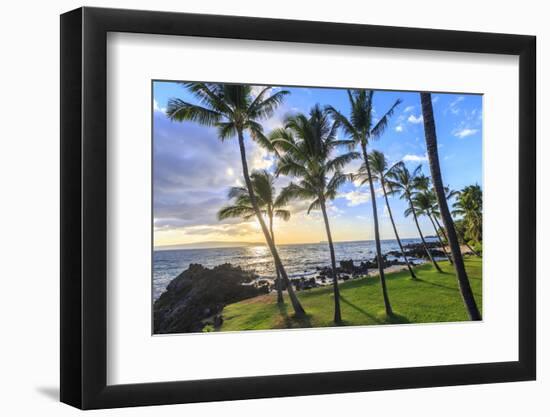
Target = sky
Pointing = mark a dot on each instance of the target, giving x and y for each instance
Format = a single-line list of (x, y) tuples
[(193, 170)]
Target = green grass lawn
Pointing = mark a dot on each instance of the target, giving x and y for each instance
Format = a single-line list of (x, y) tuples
[(433, 298)]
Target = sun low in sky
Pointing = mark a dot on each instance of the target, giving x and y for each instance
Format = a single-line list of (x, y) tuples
[(193, 170)]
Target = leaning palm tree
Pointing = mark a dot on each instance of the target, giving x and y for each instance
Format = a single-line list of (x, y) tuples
[(449, 193), (361, 128), (435, 170), (234, 110), (270, 206), (425, 204), (379, 171), (404, 182), (307, 144)]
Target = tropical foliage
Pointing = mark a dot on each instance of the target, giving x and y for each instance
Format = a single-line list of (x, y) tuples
[(435, 171), (469, 207), (307, 144), (406, 183), (379, 172), (271, 205), (308, 150), (362, 129), (233, 109)]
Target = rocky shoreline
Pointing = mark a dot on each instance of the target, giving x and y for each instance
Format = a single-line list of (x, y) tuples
[(197, 296)]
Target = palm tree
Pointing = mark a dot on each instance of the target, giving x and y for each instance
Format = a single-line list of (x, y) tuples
[(307, 144), (469, 205), (379, 170), (270, 206), (361, 128), (460, 227), (435, 170), (425, 203), (234, 110), (449, 193), (401, 180)]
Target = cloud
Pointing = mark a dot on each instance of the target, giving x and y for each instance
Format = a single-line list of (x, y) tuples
[(157, 108), (193, 171), (399, 128), (355, 197), (415, 120), (465, 132), (408, 109), (453, 106), (415, 158), (241, 229)]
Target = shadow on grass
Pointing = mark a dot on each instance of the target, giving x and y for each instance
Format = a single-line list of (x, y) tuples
[(291, 321), (446, 287), (360, 310), (396, 319)]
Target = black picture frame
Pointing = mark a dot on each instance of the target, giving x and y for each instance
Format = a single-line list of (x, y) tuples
[(84, 207)]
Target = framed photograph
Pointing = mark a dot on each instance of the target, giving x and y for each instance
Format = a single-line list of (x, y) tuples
[(258, 208)]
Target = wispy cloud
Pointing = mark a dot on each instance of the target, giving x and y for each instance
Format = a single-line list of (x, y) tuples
[(408, 109), (156, 107), (465, 132), (454, 105), (355, 198), (415, 158), (415, 119), (399, 128)]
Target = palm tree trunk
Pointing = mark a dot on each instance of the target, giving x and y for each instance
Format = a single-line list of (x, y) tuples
[(440, 228), (298, 309), (462, 237), (387, 304), (421, 235), (337, 313), (278, 285), (413, 276), (439, 238), (431, 147)]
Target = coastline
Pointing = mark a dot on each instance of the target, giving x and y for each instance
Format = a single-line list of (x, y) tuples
[(303, 274)]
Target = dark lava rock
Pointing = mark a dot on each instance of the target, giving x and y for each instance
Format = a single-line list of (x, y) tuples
[(198, 293), (347, 266)]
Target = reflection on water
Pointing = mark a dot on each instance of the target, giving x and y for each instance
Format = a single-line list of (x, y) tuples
[(299, 260)]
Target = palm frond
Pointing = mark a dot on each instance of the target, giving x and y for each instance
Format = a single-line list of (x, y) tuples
[(286, 165), (337, 180), (209, 95), (379, 128), (237, 192), (315, 205), (343, 122), (262, 109), (226, 130), (235, 211), (340, 161), (180, 111), (294, 191), (282, 214)]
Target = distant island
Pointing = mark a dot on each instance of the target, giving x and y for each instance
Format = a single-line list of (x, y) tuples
[(209, 245)]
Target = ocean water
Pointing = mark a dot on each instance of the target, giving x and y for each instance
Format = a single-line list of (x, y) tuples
[(299, 260)]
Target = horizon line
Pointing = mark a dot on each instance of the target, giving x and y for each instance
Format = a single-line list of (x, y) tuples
[(255, 244)]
